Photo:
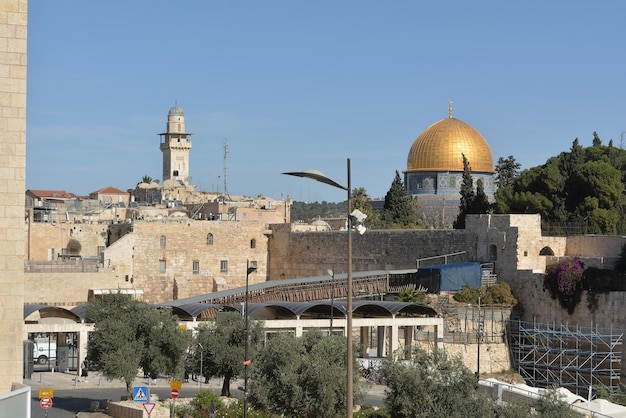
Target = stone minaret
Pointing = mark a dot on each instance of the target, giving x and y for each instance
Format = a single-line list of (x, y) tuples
[(175, 144), (13, 25)]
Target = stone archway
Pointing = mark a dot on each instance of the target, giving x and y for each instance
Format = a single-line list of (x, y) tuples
[(546, 251)]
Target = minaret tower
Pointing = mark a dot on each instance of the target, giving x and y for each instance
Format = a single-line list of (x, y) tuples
[(175, 145)]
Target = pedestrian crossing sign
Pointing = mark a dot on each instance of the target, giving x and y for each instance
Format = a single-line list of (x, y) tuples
[(140, 393)]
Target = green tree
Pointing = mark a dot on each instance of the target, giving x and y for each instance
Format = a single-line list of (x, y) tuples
[(445, 386), (222, 345), (399, 209), (480, 204), (552, 405), (74, 246), (437, 385), (362, 202), (467, 195), (304, 377), (146, 179), (507, 170), (584, 186), (124, 332), (411, 295)]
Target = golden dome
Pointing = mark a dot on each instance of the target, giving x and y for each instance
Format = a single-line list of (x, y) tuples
[(442, 145)]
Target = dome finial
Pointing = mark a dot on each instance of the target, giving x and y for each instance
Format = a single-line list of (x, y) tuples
[(450, 108)]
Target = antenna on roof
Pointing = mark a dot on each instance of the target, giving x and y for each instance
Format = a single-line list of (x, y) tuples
[(226, 168)]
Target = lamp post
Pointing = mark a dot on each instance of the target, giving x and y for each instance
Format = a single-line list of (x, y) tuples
[(201, 376), (332, 298), (246, 362), (318, 176)]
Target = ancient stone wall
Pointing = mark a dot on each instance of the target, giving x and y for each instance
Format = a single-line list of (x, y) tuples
[(68, 289), (595, 245), (44, 238), (604, 311), (165, 254), (308, 254)]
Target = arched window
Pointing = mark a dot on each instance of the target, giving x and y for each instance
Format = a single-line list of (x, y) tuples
[(209, 239), (253, 243), (493, 252), (163, 240), (546, 251)]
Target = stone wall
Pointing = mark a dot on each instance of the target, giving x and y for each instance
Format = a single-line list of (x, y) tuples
[(308, 254), (44, 238), (141, 257), (13, 46), (595, 245), (601, 311), (68, 289)]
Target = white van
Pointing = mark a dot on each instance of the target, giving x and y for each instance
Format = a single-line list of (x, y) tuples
[(43, 352)]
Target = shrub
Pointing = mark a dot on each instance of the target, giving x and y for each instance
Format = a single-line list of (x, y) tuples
[(498, 294), (564, 281), (201, 403), (467, 295), (74, 246)]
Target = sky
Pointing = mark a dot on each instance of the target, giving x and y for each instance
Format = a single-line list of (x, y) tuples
[(296, 85)]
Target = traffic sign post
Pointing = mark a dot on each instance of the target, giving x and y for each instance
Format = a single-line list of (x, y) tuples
[(46, 393), (149, 407), (141, 394), (174, 394), (46, 403)]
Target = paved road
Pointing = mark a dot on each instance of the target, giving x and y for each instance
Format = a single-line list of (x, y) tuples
[(71, 397)]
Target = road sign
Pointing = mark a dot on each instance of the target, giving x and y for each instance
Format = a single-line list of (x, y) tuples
[(174, 393), (176, 384), (46, 393), (45, 403), (149, 407), (140, 393)]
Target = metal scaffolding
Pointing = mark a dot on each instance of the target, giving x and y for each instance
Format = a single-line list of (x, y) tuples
[(572, 357)]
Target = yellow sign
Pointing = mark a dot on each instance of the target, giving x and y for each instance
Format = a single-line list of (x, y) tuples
[(176, 384), (46, 393)]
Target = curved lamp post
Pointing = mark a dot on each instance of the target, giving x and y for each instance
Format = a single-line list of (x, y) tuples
[(319, 176)]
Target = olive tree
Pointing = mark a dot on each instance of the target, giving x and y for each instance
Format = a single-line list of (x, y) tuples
[(129, 335), (304, 377)]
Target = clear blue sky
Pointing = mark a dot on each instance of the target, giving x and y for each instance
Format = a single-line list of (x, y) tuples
[(295, 85)]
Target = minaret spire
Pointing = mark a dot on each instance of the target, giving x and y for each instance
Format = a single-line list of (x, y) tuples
[(450, 108)]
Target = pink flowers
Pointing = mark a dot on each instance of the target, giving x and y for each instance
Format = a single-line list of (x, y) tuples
[(564, 280)]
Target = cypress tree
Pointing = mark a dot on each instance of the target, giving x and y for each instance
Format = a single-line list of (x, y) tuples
[(467, 195), (398, 211)]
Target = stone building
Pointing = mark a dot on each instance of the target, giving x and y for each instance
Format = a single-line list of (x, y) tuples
[(13, 45)]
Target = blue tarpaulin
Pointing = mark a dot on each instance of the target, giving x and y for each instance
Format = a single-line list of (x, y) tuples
[(450, 277)]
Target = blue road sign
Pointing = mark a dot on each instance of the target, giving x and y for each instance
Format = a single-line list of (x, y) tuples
[(140, 394)]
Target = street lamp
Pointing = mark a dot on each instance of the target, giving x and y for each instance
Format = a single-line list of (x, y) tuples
[(332, 298), (246, 362), (318, 176), (201, 375)]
